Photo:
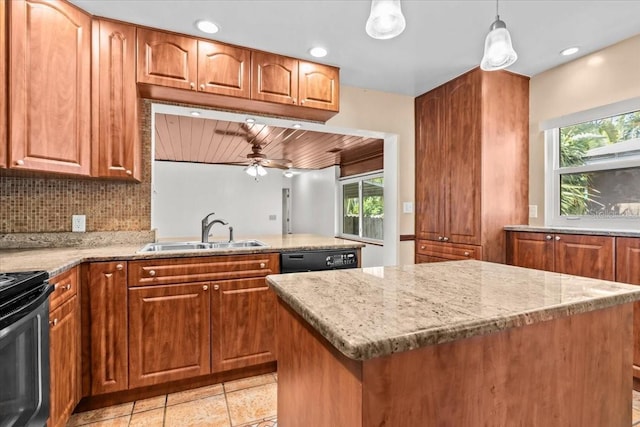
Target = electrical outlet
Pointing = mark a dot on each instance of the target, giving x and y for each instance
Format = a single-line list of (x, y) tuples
[(533, 211), (79, 223), (272, 217)]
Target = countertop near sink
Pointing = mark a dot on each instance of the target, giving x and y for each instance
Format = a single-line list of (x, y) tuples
[(573, 230), (58, 260)]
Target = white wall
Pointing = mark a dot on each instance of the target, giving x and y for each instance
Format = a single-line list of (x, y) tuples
[(184, 193), (313, 202)]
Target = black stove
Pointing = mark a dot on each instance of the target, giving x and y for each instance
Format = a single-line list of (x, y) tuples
[(18, 290)]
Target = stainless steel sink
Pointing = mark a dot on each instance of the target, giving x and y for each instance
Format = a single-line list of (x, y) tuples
[(199, 246)]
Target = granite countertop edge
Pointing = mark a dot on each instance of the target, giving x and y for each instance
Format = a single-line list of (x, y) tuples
[(130, 253), (446, 333), (572, 230)]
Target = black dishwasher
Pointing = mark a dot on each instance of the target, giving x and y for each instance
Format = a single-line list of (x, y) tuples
[(326, 259)]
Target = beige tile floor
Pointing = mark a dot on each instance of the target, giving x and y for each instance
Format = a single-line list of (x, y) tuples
[(249, 402)]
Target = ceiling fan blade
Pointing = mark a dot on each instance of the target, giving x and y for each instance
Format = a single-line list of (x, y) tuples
[(277, 166)]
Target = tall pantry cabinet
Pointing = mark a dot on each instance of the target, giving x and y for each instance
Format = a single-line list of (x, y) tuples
[(472, 147)]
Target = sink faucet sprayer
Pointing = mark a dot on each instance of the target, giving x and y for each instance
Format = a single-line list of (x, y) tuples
[(206, 227)]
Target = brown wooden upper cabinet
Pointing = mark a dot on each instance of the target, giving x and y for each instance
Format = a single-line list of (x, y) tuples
[(471, 156), (3, 84), (187, 63), (50, 83), (580, 255), (289, 81), (116, 143)]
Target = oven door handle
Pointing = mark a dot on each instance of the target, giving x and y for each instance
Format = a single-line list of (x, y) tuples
[(26, 309)]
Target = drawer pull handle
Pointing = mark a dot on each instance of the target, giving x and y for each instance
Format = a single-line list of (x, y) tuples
[(446, 239), (205, 288), (202, 87), (263, 265), (20, 162), (152, 273), (466, 253), (128, 172), (440, 238), (54, 322), (193, 85), (423, 247), (548, 237), (119, 267), (216, 287), (557, 238)]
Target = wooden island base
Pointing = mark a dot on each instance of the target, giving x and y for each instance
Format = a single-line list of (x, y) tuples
[(572, 371)]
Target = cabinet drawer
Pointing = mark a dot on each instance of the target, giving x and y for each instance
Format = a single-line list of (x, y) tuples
[(199, 269), (66, 286), (448, 251)]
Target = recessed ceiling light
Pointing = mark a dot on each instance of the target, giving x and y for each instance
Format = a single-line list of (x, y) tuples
[(297, 126), (195, 113), (250, 120), (207, 26), (287, 174), (318, 52), (569, 51)]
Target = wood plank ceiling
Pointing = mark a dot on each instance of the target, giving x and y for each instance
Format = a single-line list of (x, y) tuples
[(198, 140)]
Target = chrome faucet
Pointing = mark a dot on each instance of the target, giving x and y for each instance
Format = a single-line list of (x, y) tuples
[(206, 227)]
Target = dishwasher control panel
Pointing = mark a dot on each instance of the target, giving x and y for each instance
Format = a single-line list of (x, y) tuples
[(341, 260), (326, 259)]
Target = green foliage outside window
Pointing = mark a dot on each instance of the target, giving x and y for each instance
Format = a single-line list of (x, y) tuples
[(576, 190)]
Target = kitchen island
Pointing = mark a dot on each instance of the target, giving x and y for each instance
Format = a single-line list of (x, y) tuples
[(464, 343)]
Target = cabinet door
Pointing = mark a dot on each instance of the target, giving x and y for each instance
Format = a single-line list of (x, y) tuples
[(448, 251), (530, 250), (169, 333), (108, 330), (319, 86), (462, 164), (224, 69), (430, 180), (589, 256), (167, 59), (50, 82), (3, 83), (421, 259), (274, 78), (116, 146), (243, 324), (64, 361), (628, 271)]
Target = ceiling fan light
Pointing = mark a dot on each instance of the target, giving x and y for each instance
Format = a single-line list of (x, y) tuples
[(498, 50), (260, 170), (251, 170), (385, 20)]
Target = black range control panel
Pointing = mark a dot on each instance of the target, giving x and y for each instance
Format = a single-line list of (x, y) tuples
[(327, 259)]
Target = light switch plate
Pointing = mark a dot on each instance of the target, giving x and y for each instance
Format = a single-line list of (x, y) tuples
[(407, 207), (533, 211), (79, 223), (272, 217)]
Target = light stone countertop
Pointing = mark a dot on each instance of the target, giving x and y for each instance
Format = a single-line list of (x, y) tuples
[(373, 312), (573, 230), (58, 260)]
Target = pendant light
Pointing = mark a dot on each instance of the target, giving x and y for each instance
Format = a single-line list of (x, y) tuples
[(498, 51), (386, 20)]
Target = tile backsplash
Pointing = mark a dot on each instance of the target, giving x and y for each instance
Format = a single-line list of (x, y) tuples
[(46, 204)]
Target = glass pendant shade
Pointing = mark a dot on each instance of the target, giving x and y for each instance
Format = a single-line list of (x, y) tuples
[(498, 51), (386, 20), (255, 170)]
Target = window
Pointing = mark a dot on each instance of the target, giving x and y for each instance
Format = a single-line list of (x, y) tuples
[(362, 207), (593, 173)]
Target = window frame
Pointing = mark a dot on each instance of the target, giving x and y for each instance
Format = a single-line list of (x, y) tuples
[(553, 171), (360, 178)]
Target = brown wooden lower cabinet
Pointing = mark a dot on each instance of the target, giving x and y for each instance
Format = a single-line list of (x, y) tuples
[(580, 255), (107, 289), (628, 271), (243, 324), (64, 361), (169, 333)]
